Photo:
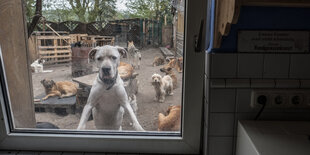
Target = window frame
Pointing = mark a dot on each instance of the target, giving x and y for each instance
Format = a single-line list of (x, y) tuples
[(192, 118)]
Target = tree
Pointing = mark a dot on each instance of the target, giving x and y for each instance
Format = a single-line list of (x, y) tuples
[(36, 18), (93, 10), (30, 9), (103, 10), (151, 9)]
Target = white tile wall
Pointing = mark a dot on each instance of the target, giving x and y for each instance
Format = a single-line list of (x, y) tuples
[(287, 83), (217, 83), (300, 66), (220, 146), (250, 65), (221, 124), (243, 101), (276, 65), (223, 65), (238, 83), (262, 83), (222, 100), (232, 78), (304, 83)]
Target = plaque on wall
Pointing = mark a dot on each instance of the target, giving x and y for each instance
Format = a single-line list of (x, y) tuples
[(273, 41)]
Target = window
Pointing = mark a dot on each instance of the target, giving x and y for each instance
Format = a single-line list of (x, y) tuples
[(20, 87)]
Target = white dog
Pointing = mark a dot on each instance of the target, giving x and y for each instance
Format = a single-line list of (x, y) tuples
[(37, 65), (108, 98), (163, 86)]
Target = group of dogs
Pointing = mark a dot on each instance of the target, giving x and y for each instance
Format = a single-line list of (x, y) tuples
[(164, 85), (108, 100)]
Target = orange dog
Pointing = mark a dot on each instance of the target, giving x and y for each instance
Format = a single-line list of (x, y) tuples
[(125, 70), (176, 63), (171, 122)]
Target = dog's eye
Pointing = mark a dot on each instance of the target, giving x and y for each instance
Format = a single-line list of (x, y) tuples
[(114, 57), (99, 58)]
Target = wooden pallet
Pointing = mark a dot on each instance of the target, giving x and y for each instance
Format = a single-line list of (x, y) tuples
[(54, 49), (61, 106), (76, 37), (96, 40)]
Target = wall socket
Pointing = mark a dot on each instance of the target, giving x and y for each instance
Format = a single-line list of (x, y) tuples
[(282, 98)]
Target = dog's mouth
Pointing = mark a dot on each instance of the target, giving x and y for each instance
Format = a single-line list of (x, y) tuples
[(107, 78), (156, 82)]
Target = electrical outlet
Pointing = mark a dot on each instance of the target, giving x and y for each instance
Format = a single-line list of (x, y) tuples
[(282, 98), (296, 99), (255, 98), (278, 100)]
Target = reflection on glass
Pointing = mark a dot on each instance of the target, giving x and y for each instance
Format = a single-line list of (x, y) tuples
[(108, 65)]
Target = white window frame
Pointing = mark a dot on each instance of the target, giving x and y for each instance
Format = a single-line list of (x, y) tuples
[(188, 143)]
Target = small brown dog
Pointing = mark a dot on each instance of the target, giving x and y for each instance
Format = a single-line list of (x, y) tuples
[(171, 122), (158, 61), (168, 70), (179, 65), (60, 89), (176, 63)]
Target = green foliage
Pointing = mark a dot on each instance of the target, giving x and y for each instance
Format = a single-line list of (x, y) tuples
[(77, 10), (100, 10), (30, 9), (93, 10), (151, 9)]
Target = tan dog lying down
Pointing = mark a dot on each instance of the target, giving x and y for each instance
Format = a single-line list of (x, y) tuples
[(60, 89), (171, 122), (158, 61)]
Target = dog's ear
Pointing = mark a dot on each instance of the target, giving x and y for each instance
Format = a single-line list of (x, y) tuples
[(169, 109), (53, 82), (91, 54), (122, 51), (42, 81), (169, 69)]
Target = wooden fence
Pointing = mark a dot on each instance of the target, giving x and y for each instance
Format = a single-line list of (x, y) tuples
[(143, 32)]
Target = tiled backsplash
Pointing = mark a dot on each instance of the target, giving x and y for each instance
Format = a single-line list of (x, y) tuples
[(231, 79), (245, 65)]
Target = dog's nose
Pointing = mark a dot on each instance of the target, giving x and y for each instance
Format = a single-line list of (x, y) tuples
[(106, 70)]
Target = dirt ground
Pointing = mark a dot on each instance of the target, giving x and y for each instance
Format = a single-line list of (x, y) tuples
[(148, 109)]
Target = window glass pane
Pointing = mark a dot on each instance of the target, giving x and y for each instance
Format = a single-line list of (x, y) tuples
[(107, 65)]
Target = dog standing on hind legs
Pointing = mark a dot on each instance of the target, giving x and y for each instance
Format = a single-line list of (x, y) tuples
[(108, 99)]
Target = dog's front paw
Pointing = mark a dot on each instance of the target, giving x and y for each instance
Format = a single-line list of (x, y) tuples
[(170, 94), (138, 128), (161, 100), (81, 127), (45, 98)]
